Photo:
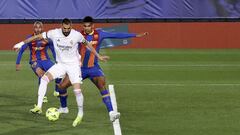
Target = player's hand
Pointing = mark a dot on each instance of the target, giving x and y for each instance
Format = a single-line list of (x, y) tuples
[(17, 46), (142, 34), (18, 67), (104, 58), (16, 49)]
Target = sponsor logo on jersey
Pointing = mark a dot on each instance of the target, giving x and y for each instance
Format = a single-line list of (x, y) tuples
[(64, 48)]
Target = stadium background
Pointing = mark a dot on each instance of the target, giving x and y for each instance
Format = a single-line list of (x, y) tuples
[(171, 24), (181, 79)]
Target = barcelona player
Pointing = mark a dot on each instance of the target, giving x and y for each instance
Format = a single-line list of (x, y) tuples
[(39, 59), (90, 67)]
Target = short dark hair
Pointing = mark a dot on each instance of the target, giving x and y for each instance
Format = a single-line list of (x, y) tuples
[(66, 21), (88, 19)]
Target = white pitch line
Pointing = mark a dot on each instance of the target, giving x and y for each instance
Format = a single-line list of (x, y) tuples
[(178, 84), (151, 65), (116, 123), (172, 65)]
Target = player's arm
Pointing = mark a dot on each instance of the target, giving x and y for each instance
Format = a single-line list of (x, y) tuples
[(51, 47), (17, 46), (19, 57), (142, 34), (89, 46), (121, 35)]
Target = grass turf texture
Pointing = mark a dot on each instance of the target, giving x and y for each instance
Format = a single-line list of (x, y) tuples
[(165, 91)]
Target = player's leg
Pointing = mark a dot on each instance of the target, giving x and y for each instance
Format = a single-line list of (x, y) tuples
[(65, 83), (38, 69), (74, 73), (56, 91), (98, 78), (47, 64), (46, 78), (63, 94), (100, 84), (40, 72), (54, 72), (79, 100), (63, 91)]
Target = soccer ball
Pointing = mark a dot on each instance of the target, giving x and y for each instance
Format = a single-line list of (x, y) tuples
[(52, 114)]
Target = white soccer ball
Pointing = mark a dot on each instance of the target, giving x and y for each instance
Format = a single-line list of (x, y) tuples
[(52, 114)]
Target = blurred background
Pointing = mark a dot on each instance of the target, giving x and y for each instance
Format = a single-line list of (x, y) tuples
[(171, 23)]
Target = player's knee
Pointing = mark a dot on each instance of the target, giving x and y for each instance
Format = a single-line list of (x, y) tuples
[(62, 86), (39, 72), (101, 85), (49, 75), (77, 91), (45, 79)]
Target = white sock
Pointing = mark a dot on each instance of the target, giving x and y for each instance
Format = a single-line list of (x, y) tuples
[(79, 99), (42, 90)]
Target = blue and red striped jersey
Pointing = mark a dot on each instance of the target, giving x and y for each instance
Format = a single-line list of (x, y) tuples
[(88, 58), (38, 50)]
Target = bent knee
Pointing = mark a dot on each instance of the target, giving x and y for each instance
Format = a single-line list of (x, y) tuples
[(64, 85), (45, 79), (39, 72), (101, 85)]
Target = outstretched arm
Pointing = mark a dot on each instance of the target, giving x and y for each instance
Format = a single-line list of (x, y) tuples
[(121, 35), (142, 34), (19, 57), (17, 46)]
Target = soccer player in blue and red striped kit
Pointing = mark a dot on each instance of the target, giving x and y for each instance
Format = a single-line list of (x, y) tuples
[(39, 59), (90, 67)]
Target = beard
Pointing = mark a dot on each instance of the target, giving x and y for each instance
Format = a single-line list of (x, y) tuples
[(88, 31), (66, 33), (38, 32)]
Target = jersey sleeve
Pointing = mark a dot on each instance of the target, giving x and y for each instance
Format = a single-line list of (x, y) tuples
[(49, 34), (80, 38), (105, 34), (20, 53), (51, 47)]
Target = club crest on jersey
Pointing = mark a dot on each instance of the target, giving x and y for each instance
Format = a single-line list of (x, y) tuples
[(38, 48), (95, 36), (34, 65), (71, 42)]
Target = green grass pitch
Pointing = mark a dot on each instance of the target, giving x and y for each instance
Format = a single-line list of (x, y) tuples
[(159, 92)]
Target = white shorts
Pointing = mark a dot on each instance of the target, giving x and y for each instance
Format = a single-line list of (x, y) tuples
[(72, 70)]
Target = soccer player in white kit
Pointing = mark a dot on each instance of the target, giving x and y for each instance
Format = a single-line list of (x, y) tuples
[(65, 41)]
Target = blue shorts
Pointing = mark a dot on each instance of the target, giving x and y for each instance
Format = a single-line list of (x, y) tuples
[(92, 72), (43, 64)]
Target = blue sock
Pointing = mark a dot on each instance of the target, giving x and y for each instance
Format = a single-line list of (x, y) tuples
[(63, 98), (107, 100), (63, 93), (57, 81)]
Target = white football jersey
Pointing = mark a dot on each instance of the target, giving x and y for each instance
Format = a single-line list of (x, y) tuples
[(66, 48)]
